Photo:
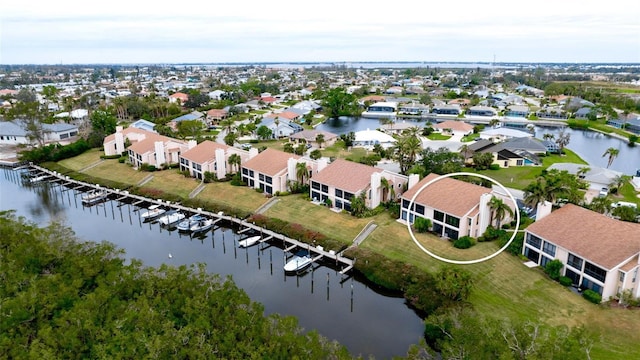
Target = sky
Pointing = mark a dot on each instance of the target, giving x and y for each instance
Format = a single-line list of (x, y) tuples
[(159, 31)]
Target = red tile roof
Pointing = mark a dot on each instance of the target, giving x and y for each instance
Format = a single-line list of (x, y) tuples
[(588, 234), (449, 195), (203, 152), (454, 125), (346, 175), (269, 162)]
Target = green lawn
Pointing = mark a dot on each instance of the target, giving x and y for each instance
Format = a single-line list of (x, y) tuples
[(171, 182), (626, 193), (240, 197), (83, 160), (518, 177), (438, 136), (115, 171), (469, 138)]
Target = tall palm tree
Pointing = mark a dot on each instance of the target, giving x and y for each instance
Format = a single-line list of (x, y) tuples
[(320, 140), (465, 151), (535, 193), (582, 171), (235, 160), (494, 122), (387, 189), (499, 209), (563, 140), (612, 153), (600, 204), (302, 173), (548, 136)]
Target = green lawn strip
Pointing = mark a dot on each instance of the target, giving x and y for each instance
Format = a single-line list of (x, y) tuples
[(506, 289), (240, 197), (113, 170), (628, 194), (438, 136), (297, 209), (271, 144), (169, 181), (83, 160)]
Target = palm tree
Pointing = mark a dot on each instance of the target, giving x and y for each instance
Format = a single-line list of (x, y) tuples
[(320, 140), (618, 181), (612, 153), (387, 189), (494, 122), (406, 149), (563, 140), (500, 209), (235, 160), (600, 204), (465, 151), (302, 172), (582, 171), (535, 193), (548, 136)]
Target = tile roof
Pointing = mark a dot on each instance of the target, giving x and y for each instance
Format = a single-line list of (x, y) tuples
[(310, 135), (454, 125), (148, 144), (269, 162), (588, 234), (203, 152), (346, 175), (449, 195)]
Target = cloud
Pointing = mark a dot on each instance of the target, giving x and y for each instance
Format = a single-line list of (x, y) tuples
[(252, 31)]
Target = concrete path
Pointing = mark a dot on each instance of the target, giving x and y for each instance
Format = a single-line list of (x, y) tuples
[(196, 191), (264, 207), (145, 180), (368, 229), (91, 165)]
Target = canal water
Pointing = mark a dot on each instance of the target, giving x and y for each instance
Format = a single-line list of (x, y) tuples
[(589, 145), (367, 321)]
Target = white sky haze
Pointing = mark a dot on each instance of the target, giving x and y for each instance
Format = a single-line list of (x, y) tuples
[(117, 31)]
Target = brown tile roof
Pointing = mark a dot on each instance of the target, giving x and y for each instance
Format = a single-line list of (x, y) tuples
[(126, 131), (449, 195), (217, 112), (454, 125), (630, 264), (269, 162), (310, 135), (148, 144), (588, 234), (203, 152), (346, 175)]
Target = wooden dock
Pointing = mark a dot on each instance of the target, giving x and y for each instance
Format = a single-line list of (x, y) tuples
[(267, 235)]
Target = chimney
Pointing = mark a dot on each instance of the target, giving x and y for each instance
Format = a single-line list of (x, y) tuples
[(543, 209), (191, 144), (221, 164), (159, 150), (253, 152), (322, 163), (413, 180)]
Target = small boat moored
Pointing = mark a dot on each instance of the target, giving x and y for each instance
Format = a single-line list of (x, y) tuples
[(94, 196), (171, 217), (201, 226), (250, 241), (152, 212), (185, 225), (298, 262)]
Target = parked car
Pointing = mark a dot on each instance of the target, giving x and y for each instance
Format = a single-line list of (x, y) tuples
[(604, 192)]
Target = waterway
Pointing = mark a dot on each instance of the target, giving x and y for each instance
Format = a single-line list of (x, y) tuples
[(344, 308), (589, 145)]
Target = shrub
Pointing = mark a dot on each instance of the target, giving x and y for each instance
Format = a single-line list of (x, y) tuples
[(494, 167), (464, 242), (122, 159), (565, 281), (209, 176), (592, 296), (552, 268), (421, 224)]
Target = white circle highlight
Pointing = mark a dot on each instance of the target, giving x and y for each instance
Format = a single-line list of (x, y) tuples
[(463, 262)]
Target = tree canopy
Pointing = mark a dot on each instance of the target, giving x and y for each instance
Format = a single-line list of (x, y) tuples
[(337, 102), (62, 298)]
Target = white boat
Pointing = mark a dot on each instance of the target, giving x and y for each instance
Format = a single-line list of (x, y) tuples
[(185, 225), (378, 110), (171, 218), (249, 241), (201, 226), (152, 212), (38, 178), (94, 196), (298, 262)]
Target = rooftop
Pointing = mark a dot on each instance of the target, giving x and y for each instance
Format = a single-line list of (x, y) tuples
[(335, 174)]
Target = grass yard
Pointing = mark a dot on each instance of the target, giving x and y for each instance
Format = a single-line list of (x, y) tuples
[(438, 136), (518, 177), (171, 182), (627, 193), (113, 170), (297, 209), (241, 197), (506, 289), (83, 160), (338, 151)]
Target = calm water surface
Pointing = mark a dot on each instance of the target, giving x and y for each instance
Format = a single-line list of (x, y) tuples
[(341, 308)]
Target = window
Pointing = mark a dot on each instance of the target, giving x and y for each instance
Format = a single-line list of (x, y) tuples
[(315, 185), (594, 271), (588, 284), (420, 209), (531, 254), (244, 171), (405, 203), (348, 196), (534, 241), (575, 278), (261, 177), (338, 193), (635, 275), (437, 215), (325, 189), (453, 221), (621, 276), (574, 261), (549, 248), (315, 195), (544, 260), (268, 179)]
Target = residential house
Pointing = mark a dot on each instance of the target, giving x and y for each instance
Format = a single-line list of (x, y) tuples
[(517, 111), (597, 252), (630, 123), (310, 136), (179, 98), (454, 207), (413, 108), (447, 110), (194, 115), (144, 125), (454, 127), (271, 170), (146, 147), (209, 156), (596, 177), (342, 180), (398, 127), (216, 94), (14, 133), (503, 133), (280, 127), (369, 138), (215, 115), (481, 111)]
